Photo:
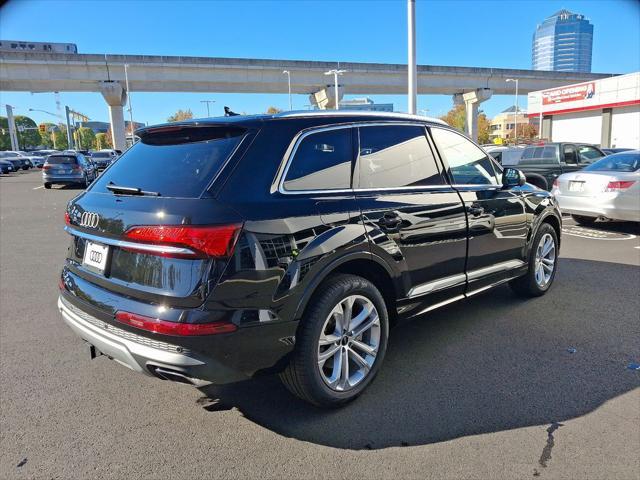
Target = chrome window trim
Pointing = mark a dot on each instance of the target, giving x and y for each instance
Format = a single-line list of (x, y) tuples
[(147, 247), (293, 147)]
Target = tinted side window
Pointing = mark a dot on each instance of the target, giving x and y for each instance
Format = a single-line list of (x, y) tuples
[(396, 156), (469, 165), (570, 154), (322, 161)]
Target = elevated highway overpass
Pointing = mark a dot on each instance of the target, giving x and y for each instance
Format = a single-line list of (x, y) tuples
[(48, 72)]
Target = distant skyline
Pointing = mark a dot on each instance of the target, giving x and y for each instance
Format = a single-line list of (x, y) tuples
[(459, 33)]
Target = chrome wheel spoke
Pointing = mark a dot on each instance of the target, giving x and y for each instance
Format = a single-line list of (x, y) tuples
[(545, 260), (328, 339), (327, 354), (366, 325), (363, 347), (361, 362), (343, 382), (361, 317)]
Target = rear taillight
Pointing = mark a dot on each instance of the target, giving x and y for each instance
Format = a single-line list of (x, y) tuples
[(618, 186), (76, 168), (202, 241), (67, 218), (46, 167), (555, 183), (164, 327)]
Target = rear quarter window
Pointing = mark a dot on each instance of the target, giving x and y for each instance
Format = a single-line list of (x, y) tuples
[(321, 161), (173, 161)]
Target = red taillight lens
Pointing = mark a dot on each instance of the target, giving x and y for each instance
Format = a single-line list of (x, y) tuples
[(76, 168), (164, 327), (46, 167), (618, 186), (216, 241), (67, 218), (555, 183)]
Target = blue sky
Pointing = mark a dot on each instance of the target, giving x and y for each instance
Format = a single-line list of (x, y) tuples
[(465, 33)]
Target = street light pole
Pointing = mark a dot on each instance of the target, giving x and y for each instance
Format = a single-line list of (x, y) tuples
[(515, 115), (335, 74), (208, 102), (288, 73), (411, 68)]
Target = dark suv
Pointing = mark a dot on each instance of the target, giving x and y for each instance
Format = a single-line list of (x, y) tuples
[(544, 162), (217, 250)]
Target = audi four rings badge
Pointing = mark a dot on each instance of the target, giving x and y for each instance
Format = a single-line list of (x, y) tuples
[(89, 220)]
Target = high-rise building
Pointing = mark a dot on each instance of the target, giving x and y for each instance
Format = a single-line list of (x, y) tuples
[(563, 43)]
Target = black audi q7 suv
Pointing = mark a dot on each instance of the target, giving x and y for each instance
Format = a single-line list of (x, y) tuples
[(217, 250)]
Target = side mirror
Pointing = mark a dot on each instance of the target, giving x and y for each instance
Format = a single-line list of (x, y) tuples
[(512, 177)]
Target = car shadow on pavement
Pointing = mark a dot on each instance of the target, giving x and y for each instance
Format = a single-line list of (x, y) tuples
[(492, 363)]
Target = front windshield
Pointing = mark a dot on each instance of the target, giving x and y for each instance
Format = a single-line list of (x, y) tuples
[(619, 162)]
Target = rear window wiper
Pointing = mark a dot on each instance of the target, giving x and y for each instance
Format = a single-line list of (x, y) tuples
[(130, 190)]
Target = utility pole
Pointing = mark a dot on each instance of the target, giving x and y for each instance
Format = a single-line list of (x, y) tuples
[(126, 78), (208, 102), (13, 136), (335, 74), (411, 49), (67, 112), (288, 73), (515, 114)]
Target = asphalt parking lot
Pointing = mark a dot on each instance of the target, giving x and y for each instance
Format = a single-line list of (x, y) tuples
[(494, 387)]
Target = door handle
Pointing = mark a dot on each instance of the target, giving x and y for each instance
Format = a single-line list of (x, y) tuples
[(475, 210), (390, 220)]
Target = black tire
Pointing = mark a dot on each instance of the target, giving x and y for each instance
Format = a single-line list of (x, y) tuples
[(527, 285), (302, 376), (47, 186), (582, 220)]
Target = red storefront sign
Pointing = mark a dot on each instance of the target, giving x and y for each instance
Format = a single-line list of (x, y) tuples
[(583, 91)]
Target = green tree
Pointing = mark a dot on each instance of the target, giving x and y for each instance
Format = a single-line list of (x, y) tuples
[(180, 115), (5, 141), (101, 141), (29, 136), (46, 138), (61, 138), (86, 138)]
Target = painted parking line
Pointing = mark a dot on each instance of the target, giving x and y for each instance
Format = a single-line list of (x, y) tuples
[(38, 188), (595, 234)]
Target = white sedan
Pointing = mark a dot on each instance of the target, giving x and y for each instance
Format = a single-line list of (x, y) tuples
[(608, 189)]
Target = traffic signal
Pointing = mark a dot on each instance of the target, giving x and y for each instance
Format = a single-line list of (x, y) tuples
[(43, 128)]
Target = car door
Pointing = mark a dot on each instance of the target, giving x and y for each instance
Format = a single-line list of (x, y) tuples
[(414, 219), (496, 217)]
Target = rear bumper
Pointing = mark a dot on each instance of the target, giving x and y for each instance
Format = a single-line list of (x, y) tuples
[(142, 354), (67, 179), (612, 206)]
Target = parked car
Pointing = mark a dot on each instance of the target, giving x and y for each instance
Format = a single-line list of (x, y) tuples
[(6, 166), (544, 162), (610, 151), (220, 249), (505, 156), (19, 163), (607, 189), (31, 159), (68, 169), (103, 158)]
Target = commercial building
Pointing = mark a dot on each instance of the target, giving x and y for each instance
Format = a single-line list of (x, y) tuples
[(502, 125), (102, 127), (367, 104), (563, 43), (603, 112)]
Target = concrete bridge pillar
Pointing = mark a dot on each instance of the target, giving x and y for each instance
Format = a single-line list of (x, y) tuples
[(471, 101), (325, 98), (116, 97)]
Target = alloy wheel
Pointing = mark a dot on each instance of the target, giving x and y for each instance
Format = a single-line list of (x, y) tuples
[(545, 260), (348, 343)]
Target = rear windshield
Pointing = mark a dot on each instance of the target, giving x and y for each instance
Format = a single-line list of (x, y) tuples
[(540, 154), (172, 161), (101, 155), (620, 162), (60, 160)]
